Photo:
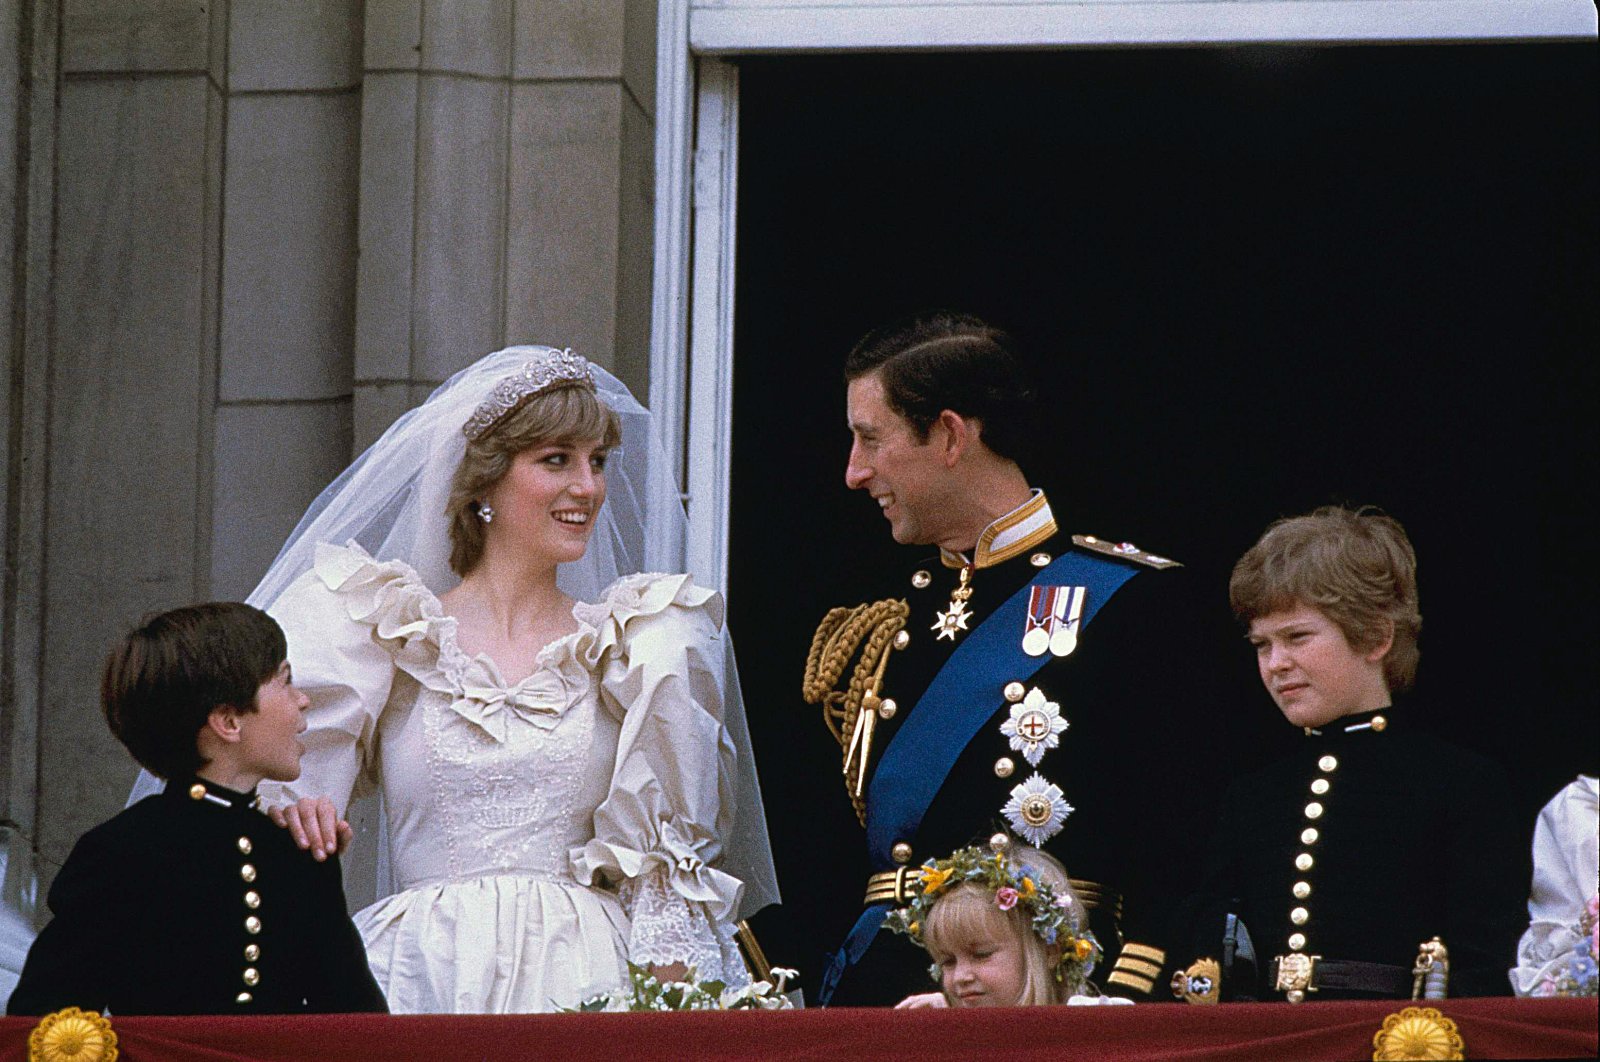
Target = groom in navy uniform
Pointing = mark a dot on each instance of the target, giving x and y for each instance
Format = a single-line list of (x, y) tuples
[(1021, 684)]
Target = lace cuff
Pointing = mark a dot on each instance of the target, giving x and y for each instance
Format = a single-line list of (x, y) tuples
[(666, 928)]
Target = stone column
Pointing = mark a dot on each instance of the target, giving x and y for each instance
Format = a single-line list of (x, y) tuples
[(132, 378), (200, 363), (288, 275), (505, 189), (28, 96)]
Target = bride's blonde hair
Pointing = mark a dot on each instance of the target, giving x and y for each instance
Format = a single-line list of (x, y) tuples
[(563, 412)]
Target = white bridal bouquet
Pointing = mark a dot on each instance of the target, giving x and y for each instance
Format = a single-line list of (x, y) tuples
[(645, 991)]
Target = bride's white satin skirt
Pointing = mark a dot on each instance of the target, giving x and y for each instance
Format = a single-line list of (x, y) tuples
[(496, 944)]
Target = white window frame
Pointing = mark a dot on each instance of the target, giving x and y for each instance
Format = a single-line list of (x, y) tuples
[(697, 142)]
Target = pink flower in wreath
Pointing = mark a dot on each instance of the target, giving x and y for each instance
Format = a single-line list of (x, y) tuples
[(1005, 897)]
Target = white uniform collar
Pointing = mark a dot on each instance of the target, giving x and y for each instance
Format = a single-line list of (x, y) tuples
[(1014, 533)]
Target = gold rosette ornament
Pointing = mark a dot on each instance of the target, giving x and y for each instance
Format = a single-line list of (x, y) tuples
[(1417, 1033), (72, 1035)]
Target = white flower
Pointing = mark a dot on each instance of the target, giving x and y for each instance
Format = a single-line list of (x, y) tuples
[(1036, 810), (1035, 726)]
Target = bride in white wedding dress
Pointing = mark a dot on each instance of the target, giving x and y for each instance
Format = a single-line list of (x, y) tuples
[(563, 764)]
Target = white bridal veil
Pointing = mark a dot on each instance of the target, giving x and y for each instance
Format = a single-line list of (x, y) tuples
[(391, 501)]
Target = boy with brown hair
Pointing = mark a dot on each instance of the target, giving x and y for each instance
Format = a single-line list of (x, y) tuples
[(191, 901)]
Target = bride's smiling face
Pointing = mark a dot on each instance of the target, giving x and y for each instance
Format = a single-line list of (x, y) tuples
[(547, 502)]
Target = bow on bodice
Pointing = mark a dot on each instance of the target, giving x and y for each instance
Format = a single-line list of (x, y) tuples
[(539, 699)]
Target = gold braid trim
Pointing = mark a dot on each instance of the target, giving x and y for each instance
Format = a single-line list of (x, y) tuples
[(870, 629)]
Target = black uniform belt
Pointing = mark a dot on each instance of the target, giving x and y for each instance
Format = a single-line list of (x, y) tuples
[(1308, 973), (894, 886)]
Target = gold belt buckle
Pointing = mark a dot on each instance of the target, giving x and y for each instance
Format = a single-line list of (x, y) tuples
[(1295, 973)]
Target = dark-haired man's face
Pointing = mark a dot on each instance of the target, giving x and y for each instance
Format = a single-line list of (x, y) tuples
[(903, 474)]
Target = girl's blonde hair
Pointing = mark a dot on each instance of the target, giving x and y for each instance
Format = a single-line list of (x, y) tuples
[(968, 912)]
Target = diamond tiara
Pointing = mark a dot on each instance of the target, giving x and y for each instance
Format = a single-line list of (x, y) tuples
[(533, 377)]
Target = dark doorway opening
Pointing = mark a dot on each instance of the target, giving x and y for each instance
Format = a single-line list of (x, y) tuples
[(1254, 280)]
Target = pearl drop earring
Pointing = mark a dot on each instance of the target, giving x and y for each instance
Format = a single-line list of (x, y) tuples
[(486, 513)]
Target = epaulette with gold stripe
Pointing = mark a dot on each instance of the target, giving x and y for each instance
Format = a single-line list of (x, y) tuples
[(1137, 967), (1124, 551)]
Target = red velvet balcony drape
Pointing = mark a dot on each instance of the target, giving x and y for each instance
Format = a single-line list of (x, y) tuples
[(1491, 1028)]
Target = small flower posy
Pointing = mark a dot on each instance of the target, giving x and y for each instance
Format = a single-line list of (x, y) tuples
[(645, 992), (1581, 975), (1053, 916)]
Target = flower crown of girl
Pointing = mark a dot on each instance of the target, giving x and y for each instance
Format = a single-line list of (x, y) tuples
[(1051, 915)]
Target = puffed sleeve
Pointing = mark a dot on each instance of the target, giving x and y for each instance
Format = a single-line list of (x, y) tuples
[(339, 662), (658, 655), (1564, 880)]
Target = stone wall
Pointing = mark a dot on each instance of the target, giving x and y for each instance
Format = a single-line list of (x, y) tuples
[(252, 233)]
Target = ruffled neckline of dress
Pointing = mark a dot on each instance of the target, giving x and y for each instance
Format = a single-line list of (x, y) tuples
[(410, 621)]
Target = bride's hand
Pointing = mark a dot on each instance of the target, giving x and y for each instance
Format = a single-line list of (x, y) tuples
[(926, 999), (315, 825), (663, 972)]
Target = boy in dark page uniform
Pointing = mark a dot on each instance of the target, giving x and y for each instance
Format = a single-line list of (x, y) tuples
[(191, 901)]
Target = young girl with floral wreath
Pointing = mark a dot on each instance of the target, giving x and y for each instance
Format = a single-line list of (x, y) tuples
[(1003, 929)]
